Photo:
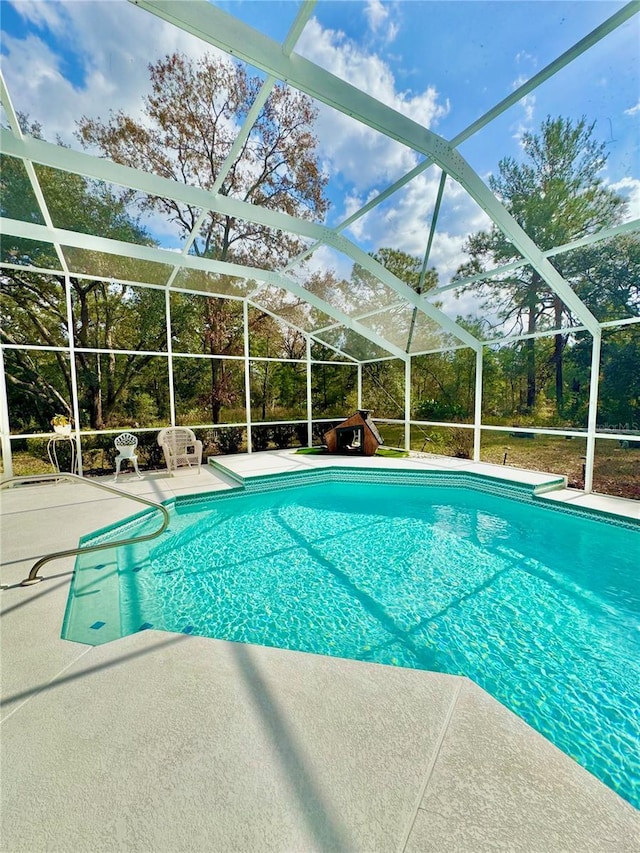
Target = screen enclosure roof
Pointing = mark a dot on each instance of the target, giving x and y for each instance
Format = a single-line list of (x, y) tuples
[(422, 187)]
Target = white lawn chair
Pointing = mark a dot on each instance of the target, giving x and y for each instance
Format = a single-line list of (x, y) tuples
[(180, 447), (126, 445)]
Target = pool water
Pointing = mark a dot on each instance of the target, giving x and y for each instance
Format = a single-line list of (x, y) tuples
[(540, 608)]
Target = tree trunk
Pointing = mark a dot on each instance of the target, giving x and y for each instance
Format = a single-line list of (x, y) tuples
[(324, 388), (530, 344), (110, 371), (558, 356), (265, 382), (216, 402), (96, 396), (91, 377)]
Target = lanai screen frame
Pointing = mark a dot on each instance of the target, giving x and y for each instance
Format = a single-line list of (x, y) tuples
[(279, 62)]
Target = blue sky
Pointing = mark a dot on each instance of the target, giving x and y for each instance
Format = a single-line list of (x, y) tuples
[(442, 63)]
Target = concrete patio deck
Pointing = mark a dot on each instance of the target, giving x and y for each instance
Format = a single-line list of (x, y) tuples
[(164, 742)]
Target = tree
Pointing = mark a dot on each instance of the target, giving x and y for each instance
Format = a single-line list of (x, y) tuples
[(607, 276), (191, 119), (385, 380), (404, 266), (556, 195), (34, 304)]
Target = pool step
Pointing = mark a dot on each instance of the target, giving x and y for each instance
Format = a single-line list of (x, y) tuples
[(551, 486)]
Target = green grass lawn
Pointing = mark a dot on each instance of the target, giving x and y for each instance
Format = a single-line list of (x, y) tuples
[(616, 469), (389, 452)]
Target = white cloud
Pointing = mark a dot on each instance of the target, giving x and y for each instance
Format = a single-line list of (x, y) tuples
[(403, 222), (327, 259), (630, 188), (367, 71), (468, 304), (41, 14), (378, 16), (375, 13), (523, 57), (361, 156), (104, 39), (528, 103), (633, 110)]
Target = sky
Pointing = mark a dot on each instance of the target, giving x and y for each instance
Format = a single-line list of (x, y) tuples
[(441, 63)]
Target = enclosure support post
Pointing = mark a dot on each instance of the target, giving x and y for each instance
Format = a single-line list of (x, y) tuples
[(172, 395), (72, 373), (407, 403), (247, 372), (309, 399), (593, 412), (359, 385), (7, 459), (477, 414)]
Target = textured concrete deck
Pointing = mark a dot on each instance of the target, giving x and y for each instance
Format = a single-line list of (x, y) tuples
[(160, 742), (279, 461)]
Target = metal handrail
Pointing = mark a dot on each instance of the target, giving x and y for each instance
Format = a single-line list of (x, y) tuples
[(36, 478)]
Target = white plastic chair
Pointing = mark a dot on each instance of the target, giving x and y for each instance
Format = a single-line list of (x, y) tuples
[(126, 445), (180, 447)]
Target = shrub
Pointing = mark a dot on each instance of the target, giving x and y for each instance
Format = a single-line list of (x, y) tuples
[(281, 435), (302, 435), (438, 410), (260, 438), (461, 443), (229, 439)]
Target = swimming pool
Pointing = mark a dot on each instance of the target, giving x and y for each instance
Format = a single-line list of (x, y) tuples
[(539, 606)]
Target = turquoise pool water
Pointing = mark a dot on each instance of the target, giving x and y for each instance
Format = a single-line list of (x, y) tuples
[(540, 608)]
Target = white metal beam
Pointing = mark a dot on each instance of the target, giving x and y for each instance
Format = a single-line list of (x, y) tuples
[(283, 320), (477, 407), (7, 103), (407, 404), (91, 243), (88, 165), (222, 30), (590, 239), (522, 91), (5, 427), (163, 256), (295, 30), (592, 417), (247, 373), (309, 394), (233, 36)]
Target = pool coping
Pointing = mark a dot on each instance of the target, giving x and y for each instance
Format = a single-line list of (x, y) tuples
[(510, 487)]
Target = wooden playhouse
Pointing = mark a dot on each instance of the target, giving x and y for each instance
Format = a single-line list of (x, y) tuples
[(355, 436)]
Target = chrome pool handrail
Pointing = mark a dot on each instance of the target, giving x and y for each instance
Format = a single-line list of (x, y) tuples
[(35, 478)]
